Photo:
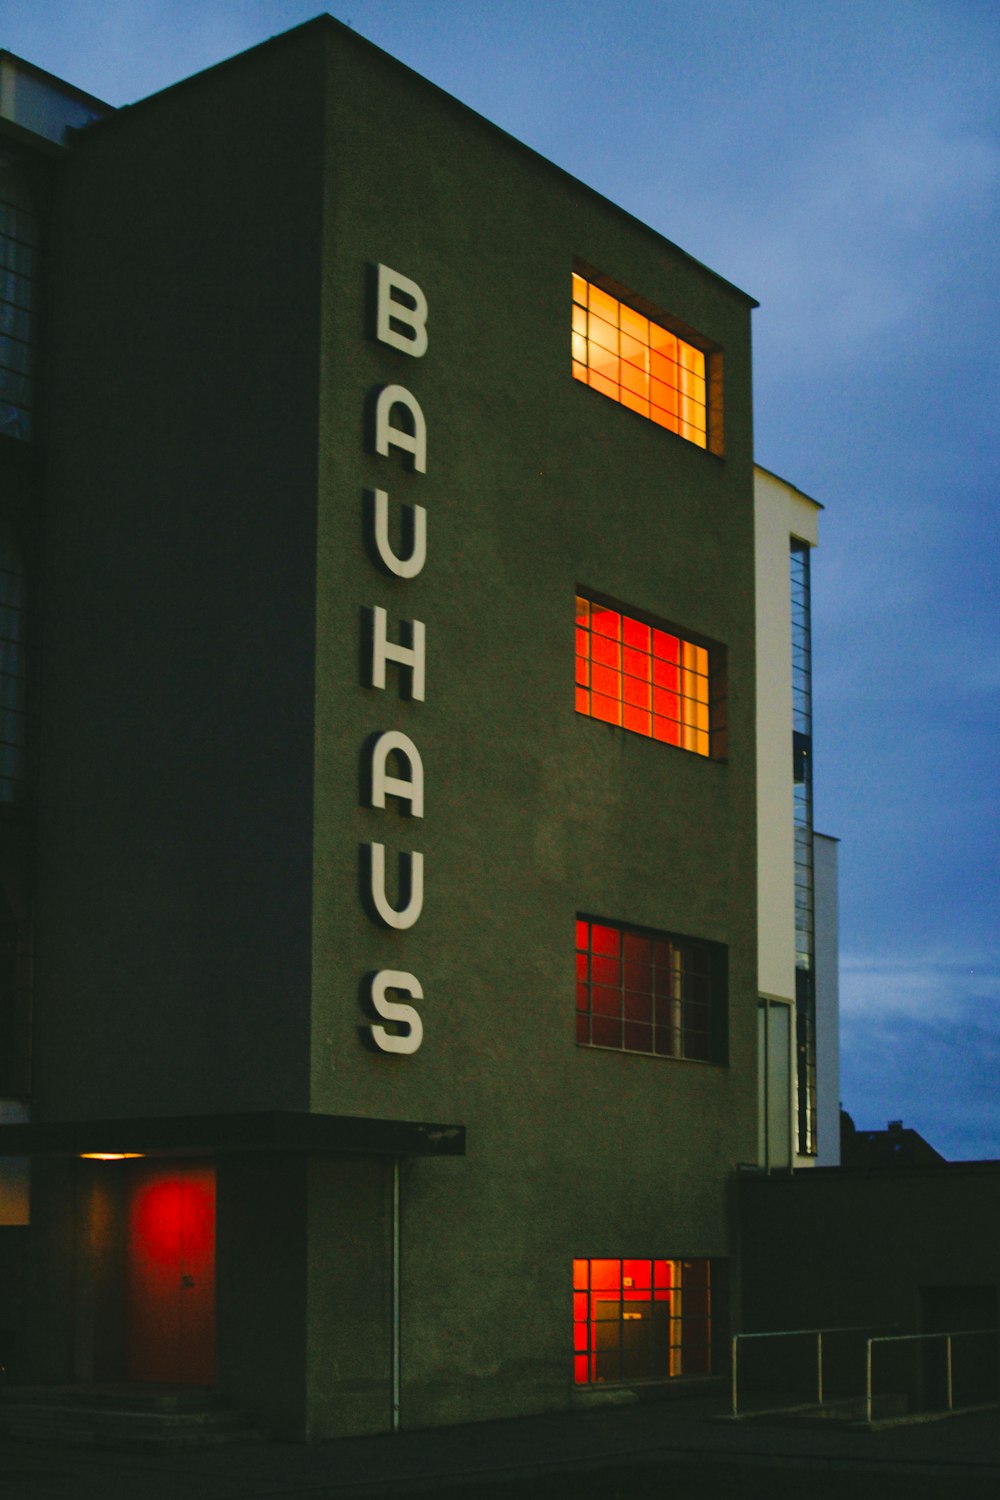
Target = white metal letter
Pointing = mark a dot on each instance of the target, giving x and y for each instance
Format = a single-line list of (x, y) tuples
[(387, 436), (384, 785), (410, 566), (388, 914), (391, 1010), (384, 650), (413, 319)]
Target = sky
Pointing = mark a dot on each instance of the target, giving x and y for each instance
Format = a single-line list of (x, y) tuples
[(840, 161)]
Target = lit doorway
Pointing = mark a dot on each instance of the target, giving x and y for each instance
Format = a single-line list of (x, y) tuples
[(170, 1274)]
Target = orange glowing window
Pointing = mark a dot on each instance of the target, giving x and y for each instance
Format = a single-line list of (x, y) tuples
[(640, 1320), (647, 679), (639, 363), (643, 991)]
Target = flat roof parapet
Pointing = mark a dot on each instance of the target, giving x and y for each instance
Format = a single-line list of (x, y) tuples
[(42, 104)]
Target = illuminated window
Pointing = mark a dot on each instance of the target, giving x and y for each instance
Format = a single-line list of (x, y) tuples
[(648, 680), (641, 991), (638, 362), (640, 1320)]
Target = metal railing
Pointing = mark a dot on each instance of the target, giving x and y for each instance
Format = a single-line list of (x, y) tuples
[(909, 1338), (788, 1333)]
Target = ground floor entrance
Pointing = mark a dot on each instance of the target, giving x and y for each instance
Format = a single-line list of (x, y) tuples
[(170, 1273)]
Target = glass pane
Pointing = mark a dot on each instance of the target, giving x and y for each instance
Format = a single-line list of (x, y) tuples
[(606, 622), (605, 1031), (603, 649), (604, 305), (634, 402), (637, 719), (634, 324), (638, 1006), (608, 710), (636, 1274), (605, 939)]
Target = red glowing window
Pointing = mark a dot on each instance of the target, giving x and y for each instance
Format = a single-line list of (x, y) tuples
[(647, 679), (643, 991), (636, 361), (640, 1320)]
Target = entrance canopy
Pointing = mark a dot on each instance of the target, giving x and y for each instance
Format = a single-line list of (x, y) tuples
[(201, 1135)]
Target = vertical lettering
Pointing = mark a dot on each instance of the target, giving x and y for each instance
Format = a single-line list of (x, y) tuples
[(388, 436), (413, 337), (411, 874), (392, 1010), (384, 650), (407, 567), (384, 785)]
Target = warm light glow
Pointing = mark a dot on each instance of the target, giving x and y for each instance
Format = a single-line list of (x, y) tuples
[(109, 1155), (173, 1218), (640, 991), (640, 1320), (641, 678), (170, 1291), (638, 363)]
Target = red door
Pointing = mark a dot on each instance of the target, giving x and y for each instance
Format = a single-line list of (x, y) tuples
[(170, 1274)]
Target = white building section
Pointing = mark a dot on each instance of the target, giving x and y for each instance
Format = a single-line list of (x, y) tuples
[(798, 1076)]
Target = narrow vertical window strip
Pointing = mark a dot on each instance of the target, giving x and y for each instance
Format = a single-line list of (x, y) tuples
[(805, 984), (638, 363)]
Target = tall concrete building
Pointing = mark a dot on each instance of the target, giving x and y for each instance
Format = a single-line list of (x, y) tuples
[(385, 827)]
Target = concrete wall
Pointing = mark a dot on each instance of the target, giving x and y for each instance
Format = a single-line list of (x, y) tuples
[(262, 1287), (350, 1305), (535, 486), (174, 838)]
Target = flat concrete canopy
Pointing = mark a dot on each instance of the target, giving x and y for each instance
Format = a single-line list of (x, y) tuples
[(207, 1134)]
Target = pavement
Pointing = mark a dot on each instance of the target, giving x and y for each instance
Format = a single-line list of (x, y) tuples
[(676, 1449)]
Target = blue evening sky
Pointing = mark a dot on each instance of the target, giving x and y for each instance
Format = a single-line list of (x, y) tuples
[(840, 161)]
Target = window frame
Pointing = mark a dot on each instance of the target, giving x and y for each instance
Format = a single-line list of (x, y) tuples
[(657, 315), (717, 676), (714, 972), (685, 1359)]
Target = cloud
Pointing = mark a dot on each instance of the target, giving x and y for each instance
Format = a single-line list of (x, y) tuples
[(862, 253), (860, 231), (943, 989)]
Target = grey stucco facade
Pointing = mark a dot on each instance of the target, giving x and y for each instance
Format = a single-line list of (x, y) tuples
[(205, 939)]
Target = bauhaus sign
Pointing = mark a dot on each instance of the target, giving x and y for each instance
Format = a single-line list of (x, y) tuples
[(395, 769)]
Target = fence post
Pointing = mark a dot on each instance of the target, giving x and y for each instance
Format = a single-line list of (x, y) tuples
[(868, 1381), (947, 1369), (734, 1400), (819, 1367)]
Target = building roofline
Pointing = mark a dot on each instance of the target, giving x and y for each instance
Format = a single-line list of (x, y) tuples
[(63, 84), (332, 26), (788, 483), (798, 1181)]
